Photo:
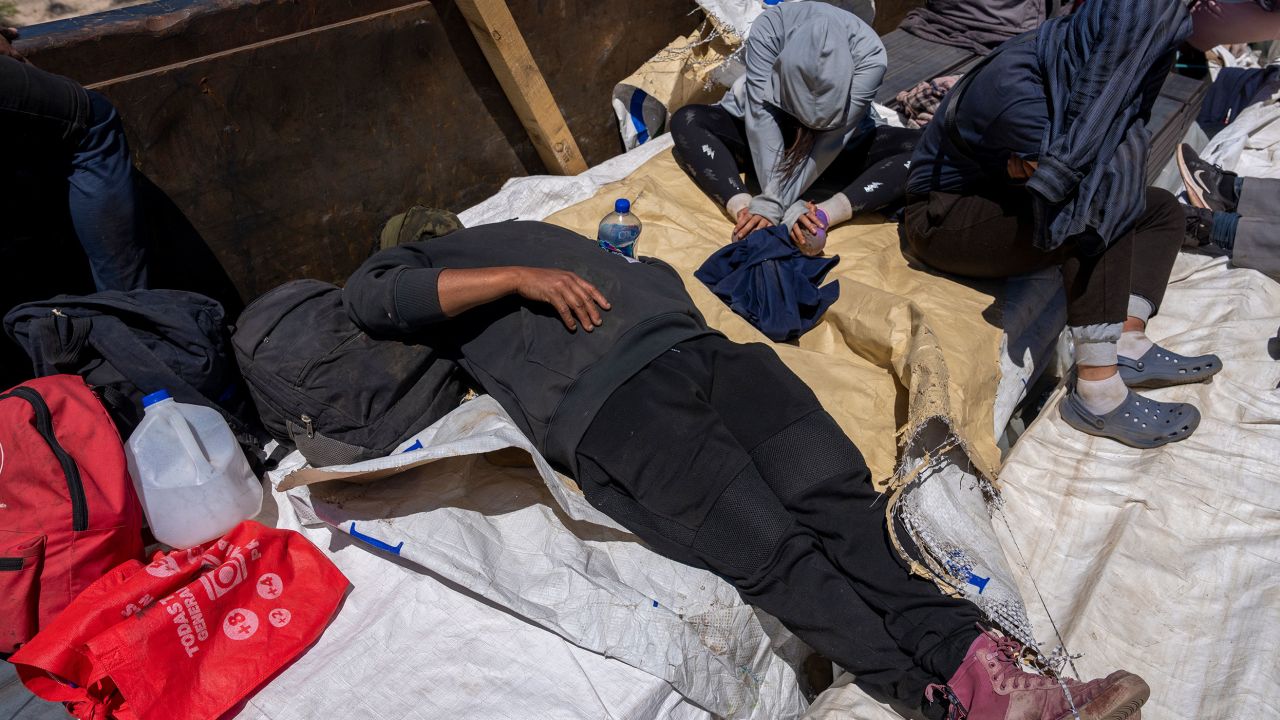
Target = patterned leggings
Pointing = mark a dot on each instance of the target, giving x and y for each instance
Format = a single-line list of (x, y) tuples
[(711, 145)]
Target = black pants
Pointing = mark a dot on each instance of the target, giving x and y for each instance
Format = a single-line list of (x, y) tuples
[(716, 455), (988, 236), (711, 145), (1257, 243)]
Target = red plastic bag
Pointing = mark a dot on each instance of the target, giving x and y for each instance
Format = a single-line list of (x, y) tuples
[(189, 635)]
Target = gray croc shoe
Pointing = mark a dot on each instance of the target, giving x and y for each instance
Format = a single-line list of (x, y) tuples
[(1159, 368), (1139, 422)]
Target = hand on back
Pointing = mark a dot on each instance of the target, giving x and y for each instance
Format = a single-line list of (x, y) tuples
[(576, 300)]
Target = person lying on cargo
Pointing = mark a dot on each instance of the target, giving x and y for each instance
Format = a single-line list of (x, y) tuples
[(802, 115), (1233, 215), (711, 451), (1038, 159), (57, 131)]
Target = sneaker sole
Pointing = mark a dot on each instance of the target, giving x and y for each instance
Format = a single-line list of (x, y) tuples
[(1193, 191), (1122, 701)]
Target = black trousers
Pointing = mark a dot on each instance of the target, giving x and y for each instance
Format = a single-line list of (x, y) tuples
[(711, 146), (988, 235), (718, 456)]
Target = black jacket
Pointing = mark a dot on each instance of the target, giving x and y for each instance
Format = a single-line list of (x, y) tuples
[(552, 381)]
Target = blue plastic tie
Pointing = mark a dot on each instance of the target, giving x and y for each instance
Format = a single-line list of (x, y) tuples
[(393, 549), (637, 116), (956, 564), (979, 582)]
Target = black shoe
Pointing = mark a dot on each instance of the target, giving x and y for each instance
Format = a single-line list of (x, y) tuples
[(1208, 186), (1199, 226)]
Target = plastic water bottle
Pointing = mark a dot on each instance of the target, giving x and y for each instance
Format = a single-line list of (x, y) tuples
[(190, 473), (619, 230)]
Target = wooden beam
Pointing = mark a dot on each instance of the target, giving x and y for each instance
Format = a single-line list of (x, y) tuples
[(504, 47)]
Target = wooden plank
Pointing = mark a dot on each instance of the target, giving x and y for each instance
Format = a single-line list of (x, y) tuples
[(913, 60), (1171, 115), (1184, 89), (504, 47)]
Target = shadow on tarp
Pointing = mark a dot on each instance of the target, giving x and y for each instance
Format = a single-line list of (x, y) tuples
[(993, 314)]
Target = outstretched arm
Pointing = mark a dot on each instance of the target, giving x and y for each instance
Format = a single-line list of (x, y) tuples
[(576, 300), (399, 292)]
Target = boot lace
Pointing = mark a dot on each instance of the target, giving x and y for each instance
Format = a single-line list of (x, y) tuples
[(1009, 674)]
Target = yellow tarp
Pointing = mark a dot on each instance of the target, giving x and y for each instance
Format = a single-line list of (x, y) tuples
[(900, 347)]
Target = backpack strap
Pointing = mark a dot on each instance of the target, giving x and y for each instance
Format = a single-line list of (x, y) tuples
[(118, 345), (57, 344)]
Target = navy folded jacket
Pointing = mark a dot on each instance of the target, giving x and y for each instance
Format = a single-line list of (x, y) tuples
[(766, 280)]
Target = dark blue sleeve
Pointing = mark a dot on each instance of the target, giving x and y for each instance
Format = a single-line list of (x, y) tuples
[(1019, 129)]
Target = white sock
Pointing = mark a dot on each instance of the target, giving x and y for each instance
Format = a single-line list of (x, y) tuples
[(1102, 396), (736, 203), (1141, 308), (837, 208), (1134, 344)]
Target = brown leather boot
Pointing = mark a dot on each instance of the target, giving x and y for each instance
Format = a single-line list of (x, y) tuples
[(992, 685)]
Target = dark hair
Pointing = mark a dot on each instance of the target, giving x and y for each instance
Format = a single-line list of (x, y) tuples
[(800, 149)]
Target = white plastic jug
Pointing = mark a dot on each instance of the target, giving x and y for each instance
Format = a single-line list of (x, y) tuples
[(190, 473)]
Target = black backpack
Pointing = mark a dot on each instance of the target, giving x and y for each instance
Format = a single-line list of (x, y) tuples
[(323, 385), (128, 344)]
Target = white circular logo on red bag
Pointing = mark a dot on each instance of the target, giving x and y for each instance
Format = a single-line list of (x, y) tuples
[(163, 567), (240, 624), (279, 617), (270, 586), (226, 575)]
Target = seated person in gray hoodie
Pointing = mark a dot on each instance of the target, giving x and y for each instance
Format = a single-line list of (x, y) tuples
[(802, 116), (710, 451)]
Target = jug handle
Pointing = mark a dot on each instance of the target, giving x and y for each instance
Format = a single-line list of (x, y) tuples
[(186, 438)]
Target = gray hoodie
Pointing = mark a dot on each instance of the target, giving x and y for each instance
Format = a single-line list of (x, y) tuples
[(818, 64)]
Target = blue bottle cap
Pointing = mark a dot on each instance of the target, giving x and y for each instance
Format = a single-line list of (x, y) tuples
[(622, 205), (771, 3), (155, 397)]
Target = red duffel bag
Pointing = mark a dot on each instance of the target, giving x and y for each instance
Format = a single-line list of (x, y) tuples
[(190, 635)]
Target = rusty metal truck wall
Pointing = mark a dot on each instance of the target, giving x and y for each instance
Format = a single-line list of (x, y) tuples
[(287, 130)]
